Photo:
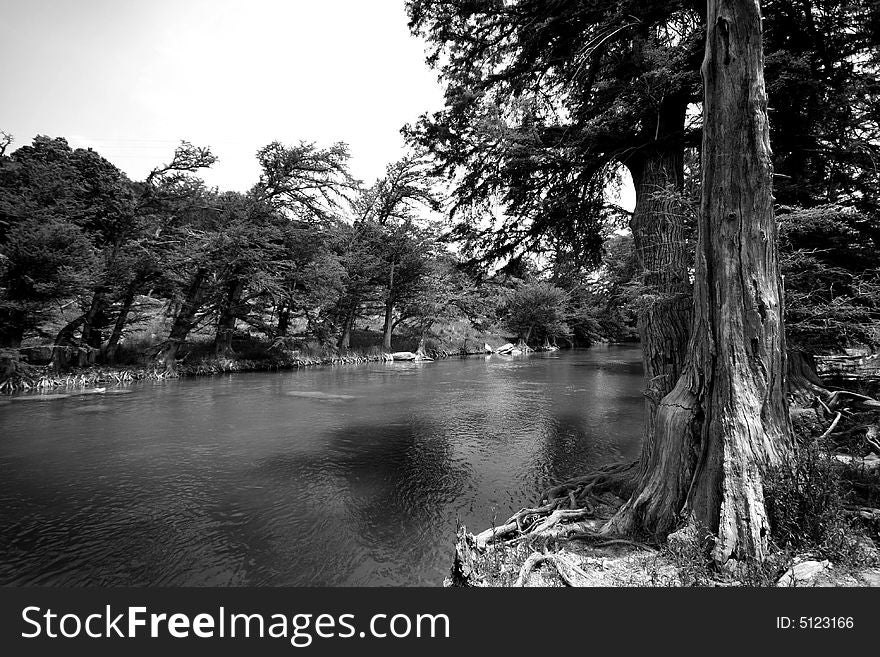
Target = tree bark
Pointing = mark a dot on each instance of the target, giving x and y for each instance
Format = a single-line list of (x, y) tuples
[(662, 254), (119, 326), (658, 228), (347, 323), (183, 321), (226, 320), (90, 334), (726, 420)]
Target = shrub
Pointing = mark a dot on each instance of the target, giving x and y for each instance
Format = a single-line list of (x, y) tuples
[(806, 507)]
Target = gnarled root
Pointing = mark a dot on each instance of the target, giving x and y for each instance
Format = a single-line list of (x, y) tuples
[(569, 571), (618, 478)]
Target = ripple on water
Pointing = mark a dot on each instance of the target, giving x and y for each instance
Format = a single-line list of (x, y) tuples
[(99, 408), (38, 398), (324, 396)]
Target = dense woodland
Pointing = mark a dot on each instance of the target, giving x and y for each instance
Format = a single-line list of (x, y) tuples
[(750, 134)]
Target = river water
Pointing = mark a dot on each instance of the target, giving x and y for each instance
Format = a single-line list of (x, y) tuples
[(349, 475)]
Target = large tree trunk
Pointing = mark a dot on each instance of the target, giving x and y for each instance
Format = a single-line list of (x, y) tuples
[(119, 326), (658, 228), (183, 321), (226, 320), (726, 421), (803, 384), (91, 334)]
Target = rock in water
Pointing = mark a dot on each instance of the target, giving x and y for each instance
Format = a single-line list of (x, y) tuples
[(404, 355)]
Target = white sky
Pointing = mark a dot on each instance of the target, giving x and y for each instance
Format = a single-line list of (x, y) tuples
[(132, 78)]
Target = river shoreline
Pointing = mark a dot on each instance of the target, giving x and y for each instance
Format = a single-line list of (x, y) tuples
[(41, 378)]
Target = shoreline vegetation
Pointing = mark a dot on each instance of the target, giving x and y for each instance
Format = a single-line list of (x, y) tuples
[(41, 378)]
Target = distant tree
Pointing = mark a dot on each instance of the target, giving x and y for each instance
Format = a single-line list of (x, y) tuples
[(619, 289), (189, 244), (167, 193), (405, 253), (307, 182), (444, 294), (391, 224), (536, 311)]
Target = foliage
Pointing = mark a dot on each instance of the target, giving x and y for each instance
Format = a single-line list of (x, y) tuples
[(536, 311), (832, 278), (544, 103), (64, 215)]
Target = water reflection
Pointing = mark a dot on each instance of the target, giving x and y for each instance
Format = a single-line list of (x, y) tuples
[(349, 475)]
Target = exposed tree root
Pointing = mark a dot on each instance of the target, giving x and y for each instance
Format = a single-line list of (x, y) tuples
[(617, 478), (846, 399), (600, 540), (832, 427), (570, 572)]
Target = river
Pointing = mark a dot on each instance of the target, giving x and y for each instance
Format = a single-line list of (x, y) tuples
[(348, 475)]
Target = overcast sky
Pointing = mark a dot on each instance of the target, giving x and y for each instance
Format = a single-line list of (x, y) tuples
[(132, 78)]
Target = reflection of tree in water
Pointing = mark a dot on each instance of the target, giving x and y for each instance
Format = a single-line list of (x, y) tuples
[(385, 486)]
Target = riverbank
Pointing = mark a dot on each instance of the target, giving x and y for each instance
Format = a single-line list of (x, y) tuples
[(561, 559), (27, 377), (43, 378), (31, 377)]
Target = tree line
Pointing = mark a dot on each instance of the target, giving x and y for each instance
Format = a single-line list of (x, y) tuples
[(302, 256)]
